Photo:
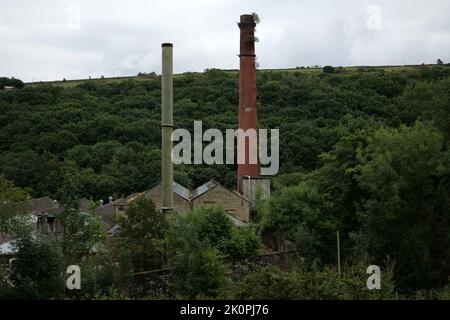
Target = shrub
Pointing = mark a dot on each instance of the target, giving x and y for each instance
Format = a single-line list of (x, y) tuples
[(211, 224), (312, 284), (329, 69), (38, 268), (199, 271), (245, 241)]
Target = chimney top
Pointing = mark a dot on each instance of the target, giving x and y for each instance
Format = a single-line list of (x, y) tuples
[(167, 45), (247, 20)]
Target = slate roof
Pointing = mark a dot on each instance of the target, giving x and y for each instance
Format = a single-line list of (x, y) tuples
[(203, 189), (107, 214), (45, 205), (181, 191)]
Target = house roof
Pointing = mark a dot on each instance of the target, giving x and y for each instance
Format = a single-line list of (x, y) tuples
[(45, 205), (107, 214), (181, 191), (235, 220), (203, 189), (84, 204)]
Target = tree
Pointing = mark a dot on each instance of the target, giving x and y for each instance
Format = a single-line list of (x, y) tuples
[(199, 272), (14, 202), (329, 69), (37, 272), (406, 213), (210, 224), (83, 233), (245, 241), (143, 228), (197, 267), (302, 215), (270, 283)]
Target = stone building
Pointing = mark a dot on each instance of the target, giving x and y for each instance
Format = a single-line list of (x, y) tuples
[(209, 194), (213, 193)]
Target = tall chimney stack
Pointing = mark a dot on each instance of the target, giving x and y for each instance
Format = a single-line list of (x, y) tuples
[(247, 92), (167, 126)]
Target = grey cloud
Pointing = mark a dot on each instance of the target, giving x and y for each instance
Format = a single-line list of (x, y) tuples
[(123, 37)]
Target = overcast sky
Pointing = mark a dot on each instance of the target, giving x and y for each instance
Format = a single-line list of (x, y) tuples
[(51, 40)]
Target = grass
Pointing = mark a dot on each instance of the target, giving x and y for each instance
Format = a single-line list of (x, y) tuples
[(305, 70)]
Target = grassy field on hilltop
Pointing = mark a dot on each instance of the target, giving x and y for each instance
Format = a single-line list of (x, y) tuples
[(304, 70)]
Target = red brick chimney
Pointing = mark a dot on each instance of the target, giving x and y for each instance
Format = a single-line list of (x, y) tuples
[(247, 92)]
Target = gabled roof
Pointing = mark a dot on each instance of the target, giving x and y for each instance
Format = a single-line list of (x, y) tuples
[(181, 191), (204, 188), (84, 205), (236, 221), (107, 214), (45, 205)]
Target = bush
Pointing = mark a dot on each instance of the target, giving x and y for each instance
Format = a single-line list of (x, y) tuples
[(245, 241), (37, 272), (266, 283), (211, 224), (143, 229), (199, 271), (312, 284), (213, 228), (329, 69)]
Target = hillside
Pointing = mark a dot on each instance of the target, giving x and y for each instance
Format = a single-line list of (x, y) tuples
[(364, 152), (105, 135)]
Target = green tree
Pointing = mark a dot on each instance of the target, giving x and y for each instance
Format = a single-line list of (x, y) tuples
[(329, 69), (37, 272), (406, 212), (211, 224), (14, 202), (302, 215), (244, 241), (143, 227), (198, 267)]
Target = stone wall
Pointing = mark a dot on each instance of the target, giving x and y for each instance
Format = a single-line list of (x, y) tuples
[(156, 283), (159, 283)]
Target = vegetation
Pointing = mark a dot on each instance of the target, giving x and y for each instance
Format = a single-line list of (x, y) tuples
[(14, 204), (10, 82), (143, 231), (363, 151), (37, 270)]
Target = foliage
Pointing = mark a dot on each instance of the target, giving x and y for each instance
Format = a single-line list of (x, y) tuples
[(312, 284), (211, 227), (195, 241), (37, 272), (16, 83), (353, 156), (302, 215), (244, 242), (106, 273), (143, 230), (14, 202), (82, 233), (406, 212), (329, 69), (198, 270), (107, 134), (211, 224)]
